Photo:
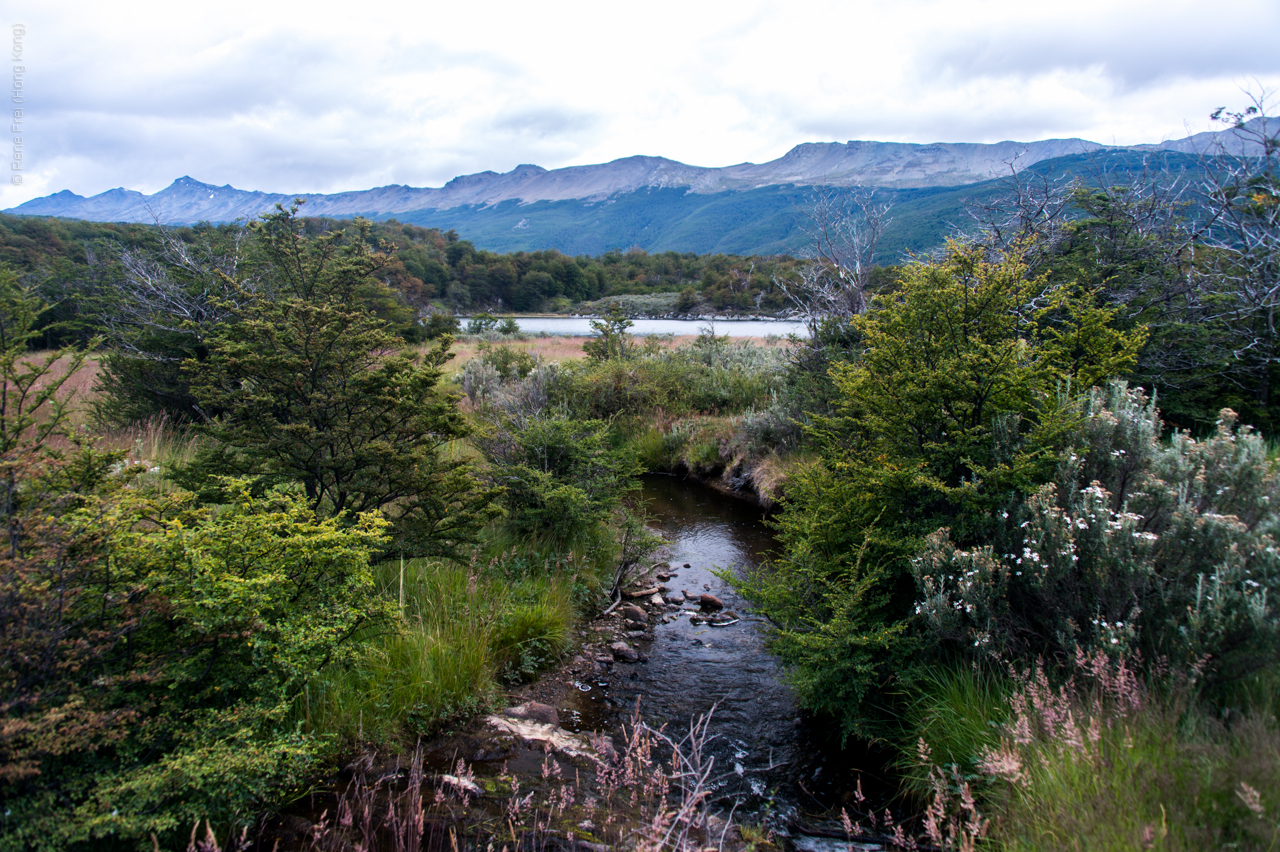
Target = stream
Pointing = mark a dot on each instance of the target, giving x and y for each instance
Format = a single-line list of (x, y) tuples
[(779, 767)]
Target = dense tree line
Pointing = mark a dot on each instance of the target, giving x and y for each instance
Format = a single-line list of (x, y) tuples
[(77, 265)]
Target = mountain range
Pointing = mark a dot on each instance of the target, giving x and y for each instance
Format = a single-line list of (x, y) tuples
[(533, 207)]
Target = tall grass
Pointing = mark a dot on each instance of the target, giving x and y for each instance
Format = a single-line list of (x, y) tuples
[(463, 631), (1103, 762), (958, 717)]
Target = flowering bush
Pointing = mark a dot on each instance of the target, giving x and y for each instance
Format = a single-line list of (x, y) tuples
[(1165, 549)]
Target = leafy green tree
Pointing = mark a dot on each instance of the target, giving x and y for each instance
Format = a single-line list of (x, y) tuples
[(315, 394), (167, 305), (951, 406), (309, 387)]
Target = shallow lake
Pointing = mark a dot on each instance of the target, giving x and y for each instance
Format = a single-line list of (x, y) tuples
[(573, 326)]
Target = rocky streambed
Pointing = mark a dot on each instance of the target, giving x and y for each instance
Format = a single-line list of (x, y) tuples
[(681, 647)]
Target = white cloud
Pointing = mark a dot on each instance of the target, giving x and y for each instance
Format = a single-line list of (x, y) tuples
[(326, 96)]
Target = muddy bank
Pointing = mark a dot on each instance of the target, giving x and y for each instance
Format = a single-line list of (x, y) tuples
[(758, 481)]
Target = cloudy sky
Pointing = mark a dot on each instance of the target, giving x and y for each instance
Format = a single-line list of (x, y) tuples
[(318, 97)]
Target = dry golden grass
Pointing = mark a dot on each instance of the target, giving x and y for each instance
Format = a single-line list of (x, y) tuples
[(567, 348)]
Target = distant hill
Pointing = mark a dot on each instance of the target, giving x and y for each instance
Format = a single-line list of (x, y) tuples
[(747, 222), (655, 203)]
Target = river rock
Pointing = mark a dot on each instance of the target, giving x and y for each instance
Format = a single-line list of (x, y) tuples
[(461, 785), (656, 600), (710, 603), (687, 565), (674, 599), (534, 712), (539, 735), (631, 612), (688, 596), (624, 652)]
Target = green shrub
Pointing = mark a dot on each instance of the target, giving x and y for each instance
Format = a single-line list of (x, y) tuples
[(1137, 545), (561, 477), (482, 323), (163, 694), (511, 364)]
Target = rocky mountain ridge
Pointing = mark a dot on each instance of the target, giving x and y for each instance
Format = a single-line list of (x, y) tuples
[(892, 165)]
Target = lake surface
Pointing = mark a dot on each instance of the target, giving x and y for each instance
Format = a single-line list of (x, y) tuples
[(573, 326)]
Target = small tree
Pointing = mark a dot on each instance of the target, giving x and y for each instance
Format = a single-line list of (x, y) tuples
[(612, 341), (312, 390)]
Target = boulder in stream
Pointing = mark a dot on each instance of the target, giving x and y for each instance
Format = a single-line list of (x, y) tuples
[(710, 603), (631, 612), (624, 652)]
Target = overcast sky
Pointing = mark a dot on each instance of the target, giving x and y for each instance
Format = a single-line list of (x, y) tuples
[(317, 97)]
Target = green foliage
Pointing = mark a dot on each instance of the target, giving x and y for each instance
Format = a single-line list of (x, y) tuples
[(164, 310), (511, 364), (151, 646), (949, 409), (310, 393), (438, 325), (612, 341), (466, 627), (163, 692), (481, 323), (1136, 545), (670, 382), (562, 478), (687, 300)]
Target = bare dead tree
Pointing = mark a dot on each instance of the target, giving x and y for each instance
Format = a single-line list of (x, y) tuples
[(844, 229), (187, 289), (1238, 264), (1030, 209)]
